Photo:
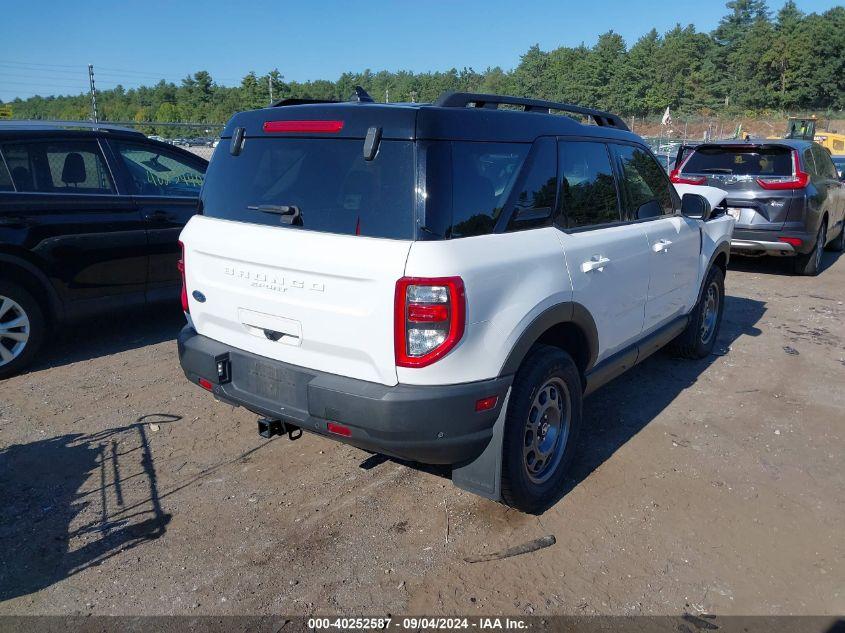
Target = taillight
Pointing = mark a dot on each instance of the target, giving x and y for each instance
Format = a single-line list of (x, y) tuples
[(314, 127), (792, 241), (675, 176), (429, 320), (181, 266), (798, 180)]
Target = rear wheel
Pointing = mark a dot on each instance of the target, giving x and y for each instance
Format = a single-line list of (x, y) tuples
[(811, 263), (541, 428), (22, 328), (699, 337)]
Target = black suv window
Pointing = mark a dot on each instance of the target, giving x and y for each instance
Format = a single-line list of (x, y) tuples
[(156, 172), (483, 175), (587, 187), (533, 205), (71, 167), (5, 178), (647, 189)]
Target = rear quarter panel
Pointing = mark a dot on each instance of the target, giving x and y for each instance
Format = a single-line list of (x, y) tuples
[(510, 279)]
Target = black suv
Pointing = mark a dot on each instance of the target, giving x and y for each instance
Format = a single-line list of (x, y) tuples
[(785, 195), (89, 221)]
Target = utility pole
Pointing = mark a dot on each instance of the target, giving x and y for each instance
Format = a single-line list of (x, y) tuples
[(93, 93), (270, 84), (387, 95)]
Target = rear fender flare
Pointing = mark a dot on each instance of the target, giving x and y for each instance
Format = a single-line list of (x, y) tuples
[(55, 306), (565, 312)]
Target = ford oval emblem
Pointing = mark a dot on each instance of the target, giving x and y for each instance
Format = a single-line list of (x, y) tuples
[(198, 296)]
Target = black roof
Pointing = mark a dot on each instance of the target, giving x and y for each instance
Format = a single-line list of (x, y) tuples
[(448, 118)]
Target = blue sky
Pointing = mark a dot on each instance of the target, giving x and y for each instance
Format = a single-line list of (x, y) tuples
[(45, 46)]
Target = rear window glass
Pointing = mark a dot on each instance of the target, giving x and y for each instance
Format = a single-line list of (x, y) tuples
[(328, 181), (740, 161), (483, 175)]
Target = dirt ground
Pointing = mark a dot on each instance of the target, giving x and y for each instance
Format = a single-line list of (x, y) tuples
[(712, 486)]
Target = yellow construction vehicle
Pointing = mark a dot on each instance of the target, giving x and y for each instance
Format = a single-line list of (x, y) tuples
[(805, 128)]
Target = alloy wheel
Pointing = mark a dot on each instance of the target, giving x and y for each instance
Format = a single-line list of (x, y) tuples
[(14, 330)]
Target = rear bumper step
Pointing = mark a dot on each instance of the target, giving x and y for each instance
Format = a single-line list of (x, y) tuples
[(759, 247), (428, 424)]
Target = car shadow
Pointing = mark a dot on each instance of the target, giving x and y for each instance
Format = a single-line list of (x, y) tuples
[(776, 265), (55, 524), (77, 500), (110, 334), (622, 408)]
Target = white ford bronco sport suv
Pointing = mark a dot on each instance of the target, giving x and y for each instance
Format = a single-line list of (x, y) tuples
[(445, 282)]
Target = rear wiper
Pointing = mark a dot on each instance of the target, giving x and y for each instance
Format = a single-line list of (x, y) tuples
[(290, 212)]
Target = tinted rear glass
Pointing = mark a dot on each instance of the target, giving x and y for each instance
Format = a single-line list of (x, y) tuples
[(328, 180), (741, 161)]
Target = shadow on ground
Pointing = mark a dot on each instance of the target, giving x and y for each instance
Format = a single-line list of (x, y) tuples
[(56, 524), (110, 334), (618, 411), (777, 265)]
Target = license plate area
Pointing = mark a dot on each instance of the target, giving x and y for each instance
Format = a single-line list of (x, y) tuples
[(271, 382)]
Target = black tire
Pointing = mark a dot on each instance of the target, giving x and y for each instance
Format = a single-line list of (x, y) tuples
[(811, 264), (547, 374), (838, 245), (14, 359), (699, 337)]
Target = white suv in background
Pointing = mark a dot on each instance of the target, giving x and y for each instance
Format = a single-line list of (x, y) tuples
[(443, 283)]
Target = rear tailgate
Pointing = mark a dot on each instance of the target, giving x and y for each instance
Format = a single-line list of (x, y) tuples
[(317, 300), (735, 168)]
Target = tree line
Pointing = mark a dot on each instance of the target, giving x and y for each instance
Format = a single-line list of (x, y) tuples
[(754, 60)]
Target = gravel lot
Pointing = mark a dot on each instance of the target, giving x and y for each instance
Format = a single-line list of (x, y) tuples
[(712, 486)]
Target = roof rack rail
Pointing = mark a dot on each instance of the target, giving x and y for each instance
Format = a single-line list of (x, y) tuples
[(38, 124), (463, 99), (293, 101)]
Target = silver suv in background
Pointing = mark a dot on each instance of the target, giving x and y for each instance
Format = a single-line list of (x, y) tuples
[(785, 195)]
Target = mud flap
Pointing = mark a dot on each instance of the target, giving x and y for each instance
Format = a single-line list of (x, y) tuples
[(483, 475)]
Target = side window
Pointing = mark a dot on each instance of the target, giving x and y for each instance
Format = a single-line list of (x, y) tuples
[(535, 200), (646, 187), (69, 167), (587, 187), (808, 162), (483, 175), (5, 177), (155, 172), (824, 164)]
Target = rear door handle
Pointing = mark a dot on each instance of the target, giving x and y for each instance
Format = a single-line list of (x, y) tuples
[(661, 246), (596, 262)]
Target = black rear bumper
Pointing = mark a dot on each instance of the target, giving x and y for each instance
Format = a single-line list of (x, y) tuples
[(428, 424)]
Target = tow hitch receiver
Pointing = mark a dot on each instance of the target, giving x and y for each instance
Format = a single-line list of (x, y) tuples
[(267, 428)]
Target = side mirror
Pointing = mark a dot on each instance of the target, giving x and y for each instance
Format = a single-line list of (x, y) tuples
[(696, 206)]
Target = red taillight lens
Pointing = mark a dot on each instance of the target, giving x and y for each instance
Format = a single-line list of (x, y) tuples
[(794, 241), (798, 180), (205, 384), (675, 176), (429, 320), (314, 127), (181, 266)]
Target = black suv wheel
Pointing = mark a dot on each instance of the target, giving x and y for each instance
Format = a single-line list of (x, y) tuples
[(541, 429), (22, 328)]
